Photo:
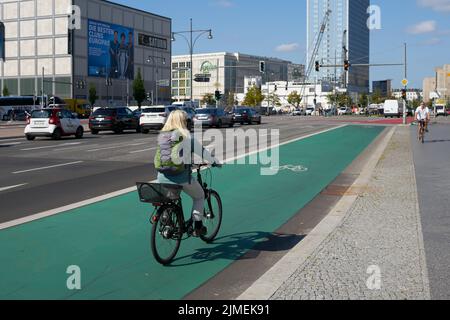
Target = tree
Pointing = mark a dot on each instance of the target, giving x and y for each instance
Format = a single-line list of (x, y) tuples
[(5, 91), (344, 100), (273, 99), (363, 100), (333, 99), (92, 94), (294, 98), (254, 97), (208, 99), (230, 99), (376, 97), (139, 89)]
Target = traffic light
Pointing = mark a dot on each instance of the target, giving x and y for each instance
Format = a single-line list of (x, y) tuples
[(404, 96), (262, 66), (218, 95), (317, 66), (346, 65), (276, 87)]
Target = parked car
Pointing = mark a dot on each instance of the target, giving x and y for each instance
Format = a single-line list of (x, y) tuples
[(440, 111), (154, 118), (244, 115), (113, 119), (298, 112), (54, 123), (343, 111), (331, 112), (190, 115), (212, 117), (310, 111)]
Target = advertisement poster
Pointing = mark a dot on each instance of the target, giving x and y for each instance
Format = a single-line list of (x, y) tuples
[(111, 51)]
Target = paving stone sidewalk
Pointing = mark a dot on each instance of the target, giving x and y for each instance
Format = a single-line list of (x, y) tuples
[(383, 230)]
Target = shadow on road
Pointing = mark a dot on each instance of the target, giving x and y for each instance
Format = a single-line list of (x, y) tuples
[(241, 246)]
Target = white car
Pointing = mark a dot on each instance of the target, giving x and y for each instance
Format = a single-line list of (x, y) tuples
[(54, 123), (310, 111), (154, 118), (344, 111)]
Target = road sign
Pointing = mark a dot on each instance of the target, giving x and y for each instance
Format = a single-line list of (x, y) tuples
[(201, 79), (405, 82)]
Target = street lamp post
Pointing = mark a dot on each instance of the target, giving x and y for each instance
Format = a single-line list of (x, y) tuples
[(191, 44), (153, 58)]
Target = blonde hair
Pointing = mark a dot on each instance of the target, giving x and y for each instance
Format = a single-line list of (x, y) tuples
[(177, 121)]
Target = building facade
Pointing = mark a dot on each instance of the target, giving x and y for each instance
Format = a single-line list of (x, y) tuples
[(384, 87), (101, 44), (227, 73), (429, 89), (438, 87), (346, 37)]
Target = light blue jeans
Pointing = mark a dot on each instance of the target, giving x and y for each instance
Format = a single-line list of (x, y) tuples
[(195, 191)]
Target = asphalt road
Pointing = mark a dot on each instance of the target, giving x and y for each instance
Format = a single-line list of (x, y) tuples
[(433, 182), (45, 174)]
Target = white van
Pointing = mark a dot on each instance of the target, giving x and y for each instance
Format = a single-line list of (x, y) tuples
[(186, 104), (393, 108)]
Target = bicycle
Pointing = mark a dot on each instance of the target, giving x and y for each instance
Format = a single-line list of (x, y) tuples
[(168, 221), (422, 131)]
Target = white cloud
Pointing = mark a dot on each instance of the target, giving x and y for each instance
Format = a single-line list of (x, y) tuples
[(437, 5), (289, 47), (423, 27)]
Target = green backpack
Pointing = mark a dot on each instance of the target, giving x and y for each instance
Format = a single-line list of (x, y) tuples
[(169, 154)]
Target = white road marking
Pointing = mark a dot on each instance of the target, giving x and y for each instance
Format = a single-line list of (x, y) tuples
[(77, 205), (49, 167), (48, 147), (7, 140), (10, 144), (12, 187), (144, 150), (118, 146)]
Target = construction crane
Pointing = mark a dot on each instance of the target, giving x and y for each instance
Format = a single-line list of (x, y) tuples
[(312, 60)]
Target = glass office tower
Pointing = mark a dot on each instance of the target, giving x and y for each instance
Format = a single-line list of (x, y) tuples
[(346, 30)]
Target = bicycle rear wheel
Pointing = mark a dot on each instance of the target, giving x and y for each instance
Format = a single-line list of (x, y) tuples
[(212, 216), (167, 234)]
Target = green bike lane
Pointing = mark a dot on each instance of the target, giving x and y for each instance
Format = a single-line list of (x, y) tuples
[(109, 240)]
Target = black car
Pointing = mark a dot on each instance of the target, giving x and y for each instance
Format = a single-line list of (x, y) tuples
[(113, 119), (246, 116)]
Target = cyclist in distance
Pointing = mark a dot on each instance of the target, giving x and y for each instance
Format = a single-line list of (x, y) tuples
[(174, 164), (422, 117)]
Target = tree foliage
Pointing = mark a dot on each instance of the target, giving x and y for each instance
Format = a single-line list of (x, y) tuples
[(5, 91), (254, 97), (92, 94), (208, 99), (139, 89), (295, 98)]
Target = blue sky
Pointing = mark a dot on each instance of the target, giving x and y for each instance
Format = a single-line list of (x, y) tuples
[(278, 29)]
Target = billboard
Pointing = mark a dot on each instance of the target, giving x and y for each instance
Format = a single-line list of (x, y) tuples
[(110, 51)]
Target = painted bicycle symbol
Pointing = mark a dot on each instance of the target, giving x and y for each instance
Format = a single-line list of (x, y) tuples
[(290, 167)]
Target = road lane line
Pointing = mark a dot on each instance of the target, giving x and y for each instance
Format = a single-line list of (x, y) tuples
[(49, 167), (48, 147), (118, 146), (85, 203), (7, 140), (10, 144), (144, 150), (13, 187)]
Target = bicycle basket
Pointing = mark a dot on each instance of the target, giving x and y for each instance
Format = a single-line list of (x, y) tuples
[(158, 193)]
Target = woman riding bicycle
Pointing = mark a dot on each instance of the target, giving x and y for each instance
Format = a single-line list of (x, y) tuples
[(173, 141)]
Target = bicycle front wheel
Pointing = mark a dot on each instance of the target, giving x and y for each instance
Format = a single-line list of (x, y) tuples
[(212, 216), (166, 234)]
